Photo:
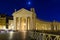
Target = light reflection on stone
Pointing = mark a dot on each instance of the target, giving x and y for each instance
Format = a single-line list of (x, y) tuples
[(24, 34), (11, 35), (14, 36)]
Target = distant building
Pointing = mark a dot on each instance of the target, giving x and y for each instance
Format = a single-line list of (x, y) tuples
[(2, 21), (26, 20), (45, 25), (10, 22)]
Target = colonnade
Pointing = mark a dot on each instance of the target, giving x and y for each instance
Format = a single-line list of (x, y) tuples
[(22, 23)]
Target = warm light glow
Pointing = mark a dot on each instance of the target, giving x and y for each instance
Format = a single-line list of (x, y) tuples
[(24, 24), (36, 28), (11, 26), (18, 25), (24, 34), (24, 30), (4, 28), (23, 27), (11, 35)]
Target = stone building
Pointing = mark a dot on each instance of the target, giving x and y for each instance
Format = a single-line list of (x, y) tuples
[(10, 23), (2, 21), (26, 20)]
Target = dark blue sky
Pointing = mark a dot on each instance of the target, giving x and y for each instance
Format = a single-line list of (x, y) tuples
[(48, 10)]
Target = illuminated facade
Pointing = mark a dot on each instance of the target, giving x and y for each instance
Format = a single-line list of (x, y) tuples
[(26, 20), (2, 21), (11, 25), (44, 25)]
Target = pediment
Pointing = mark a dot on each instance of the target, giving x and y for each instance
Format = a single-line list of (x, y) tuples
[(22, 12)]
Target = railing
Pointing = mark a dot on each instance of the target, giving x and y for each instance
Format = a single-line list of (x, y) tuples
[(43, 36)]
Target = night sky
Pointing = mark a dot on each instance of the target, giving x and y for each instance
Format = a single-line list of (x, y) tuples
[(47, 10)]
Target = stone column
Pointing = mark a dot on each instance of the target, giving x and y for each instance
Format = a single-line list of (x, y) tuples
[(26, 24), (31, 24), (19, 24), (15, 23)]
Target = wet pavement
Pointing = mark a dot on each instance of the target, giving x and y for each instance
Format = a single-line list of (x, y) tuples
[(13, 36)]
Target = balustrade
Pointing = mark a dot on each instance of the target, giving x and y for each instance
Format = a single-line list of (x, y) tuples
[(44, 36)]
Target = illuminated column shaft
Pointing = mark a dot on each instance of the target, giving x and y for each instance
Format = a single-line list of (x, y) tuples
[(32, 24), (15, 23), (26, 25), (19, 23)]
